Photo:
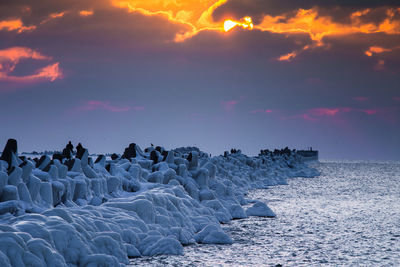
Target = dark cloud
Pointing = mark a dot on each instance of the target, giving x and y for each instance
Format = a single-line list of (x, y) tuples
[(35, 12), (339, 9)]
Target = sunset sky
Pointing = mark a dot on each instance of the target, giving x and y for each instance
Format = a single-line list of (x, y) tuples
[(215, 74)]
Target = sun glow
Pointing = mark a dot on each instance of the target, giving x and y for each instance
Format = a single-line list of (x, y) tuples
[(247, 23)]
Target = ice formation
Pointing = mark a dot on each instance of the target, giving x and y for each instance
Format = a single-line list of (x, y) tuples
[(71, 211)]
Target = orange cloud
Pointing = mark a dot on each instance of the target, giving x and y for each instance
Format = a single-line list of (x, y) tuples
[(195, 15), (48, 73), (85, 13), (309, 21), (11, 57), (376, 50), (288, 57), (15, 25), (53, 16)]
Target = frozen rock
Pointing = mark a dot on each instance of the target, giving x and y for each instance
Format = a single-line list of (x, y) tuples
[(164, 246), (26, 171), (23, 193), (76, 166), (212, 169), (95, 260), (14, 178), (89, 172), (260, 209), (3, 181), (237, 212), (212, 234), (10, 192), (101, 159), (43, 176), (108, 246), (170, 157), (58, 189), (53, 172), (130, 151), (80, 189), (43, 162), (113, 183), (143, 208), (155, 177), (202, 178), (34, 187), (84, 158), (9, 153), (194, 160), (206, 194), (182, 170), (168, 175), (10, 206), (46, 193)]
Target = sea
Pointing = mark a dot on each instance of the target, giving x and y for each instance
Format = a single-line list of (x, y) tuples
[(348, 216)]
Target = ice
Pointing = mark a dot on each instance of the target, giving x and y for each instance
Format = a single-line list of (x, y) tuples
[(71, 212), (212, 234), (260, 209)]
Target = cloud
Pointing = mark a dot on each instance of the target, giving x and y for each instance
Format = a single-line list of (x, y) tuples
[(86, 13), (317, 114), (310, 22), (376, 50), (259, 8), (195, 15), (229, 106), (48, 73), (15, 25), (92, 105), (11, 57), (288, 57)]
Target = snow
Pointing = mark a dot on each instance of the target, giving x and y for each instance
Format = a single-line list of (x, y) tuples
[(260, 209), (100, 214)]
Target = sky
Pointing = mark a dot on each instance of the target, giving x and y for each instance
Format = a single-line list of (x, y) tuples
[(252, 75)]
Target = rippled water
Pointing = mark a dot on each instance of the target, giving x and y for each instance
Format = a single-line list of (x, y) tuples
[(348, 216)]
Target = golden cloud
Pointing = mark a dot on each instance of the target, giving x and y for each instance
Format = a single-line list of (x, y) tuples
[(194, 14), (309, 21)]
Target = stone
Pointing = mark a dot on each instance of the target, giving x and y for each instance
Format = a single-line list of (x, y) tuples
[(130, 151), (100, 159), (9, 153), (154, 156)]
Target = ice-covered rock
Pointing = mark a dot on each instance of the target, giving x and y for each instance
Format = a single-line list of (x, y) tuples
[(14, 178), (212, 234), (260, 209), (73, 212)]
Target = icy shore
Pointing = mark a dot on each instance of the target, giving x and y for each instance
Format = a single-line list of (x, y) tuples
[(72, 211)]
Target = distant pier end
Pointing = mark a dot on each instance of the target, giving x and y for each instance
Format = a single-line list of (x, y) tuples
[(308, 155)]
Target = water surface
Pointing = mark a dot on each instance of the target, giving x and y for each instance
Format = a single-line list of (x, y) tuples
[(348, 216)]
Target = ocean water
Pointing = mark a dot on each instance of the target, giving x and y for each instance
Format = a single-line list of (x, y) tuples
[(348, 216)]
